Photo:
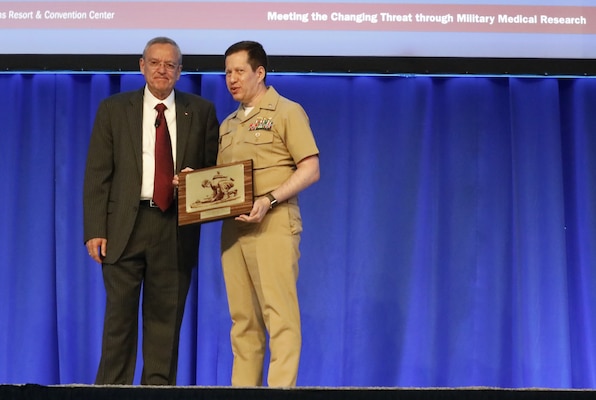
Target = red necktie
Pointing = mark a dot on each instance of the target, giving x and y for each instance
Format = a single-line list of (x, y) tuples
[(163, 190)]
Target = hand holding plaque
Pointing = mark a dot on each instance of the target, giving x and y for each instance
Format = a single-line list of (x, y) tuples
[(215, 193)]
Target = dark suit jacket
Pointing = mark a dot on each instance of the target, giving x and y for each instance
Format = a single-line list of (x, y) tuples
[(113, 174)]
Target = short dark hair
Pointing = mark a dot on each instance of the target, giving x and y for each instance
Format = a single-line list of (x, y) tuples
[(256, 54), (163, 40)]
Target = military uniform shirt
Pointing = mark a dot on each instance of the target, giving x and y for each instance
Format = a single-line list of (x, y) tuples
[(275, 135)]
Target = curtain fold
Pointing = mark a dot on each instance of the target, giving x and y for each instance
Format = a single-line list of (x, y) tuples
[(450, 241)]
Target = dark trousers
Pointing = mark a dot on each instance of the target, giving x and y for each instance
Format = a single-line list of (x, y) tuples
[(149, 264)]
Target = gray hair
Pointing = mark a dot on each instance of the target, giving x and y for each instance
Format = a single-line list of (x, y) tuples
[(163, 40)]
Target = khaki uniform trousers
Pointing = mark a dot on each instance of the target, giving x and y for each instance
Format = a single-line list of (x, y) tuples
[(260, 267)]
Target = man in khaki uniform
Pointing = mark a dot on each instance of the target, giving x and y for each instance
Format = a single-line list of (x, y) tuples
[(260, 251)]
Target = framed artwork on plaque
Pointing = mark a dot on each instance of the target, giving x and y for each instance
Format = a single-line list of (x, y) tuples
[(214, 193)]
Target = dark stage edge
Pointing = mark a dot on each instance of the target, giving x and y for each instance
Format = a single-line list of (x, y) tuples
[(91, 392)]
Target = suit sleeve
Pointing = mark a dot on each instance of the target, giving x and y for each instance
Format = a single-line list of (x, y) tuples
[(98, 173), (211, 137)]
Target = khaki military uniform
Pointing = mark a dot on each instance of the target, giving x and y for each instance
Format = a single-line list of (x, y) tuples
[(260, 261)]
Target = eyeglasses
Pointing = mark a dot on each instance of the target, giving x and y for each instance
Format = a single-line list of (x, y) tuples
[(155, 64)]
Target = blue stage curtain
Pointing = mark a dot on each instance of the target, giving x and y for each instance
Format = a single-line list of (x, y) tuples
[(450, 241)]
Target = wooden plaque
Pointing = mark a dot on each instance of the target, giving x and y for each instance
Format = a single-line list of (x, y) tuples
[(215, 193)]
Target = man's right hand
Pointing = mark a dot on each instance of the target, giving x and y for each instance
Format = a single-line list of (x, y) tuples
[(96, 248)]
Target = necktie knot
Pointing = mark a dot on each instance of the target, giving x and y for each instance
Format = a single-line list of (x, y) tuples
[(161, 107)]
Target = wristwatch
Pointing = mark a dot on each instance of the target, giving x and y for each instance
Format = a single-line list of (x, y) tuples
[(272, 200)]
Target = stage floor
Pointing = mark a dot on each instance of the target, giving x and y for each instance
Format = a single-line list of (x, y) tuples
[(91, 392)]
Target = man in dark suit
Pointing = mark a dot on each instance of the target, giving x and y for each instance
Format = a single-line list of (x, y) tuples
[(139, 244)]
